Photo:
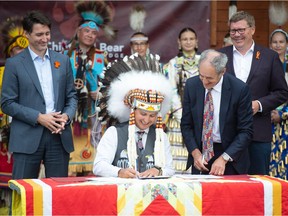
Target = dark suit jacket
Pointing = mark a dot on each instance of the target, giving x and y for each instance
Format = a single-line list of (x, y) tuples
[(267, 84), (236, 119), (22, 98)]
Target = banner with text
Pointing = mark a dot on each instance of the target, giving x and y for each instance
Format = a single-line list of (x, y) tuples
[(163, 22)]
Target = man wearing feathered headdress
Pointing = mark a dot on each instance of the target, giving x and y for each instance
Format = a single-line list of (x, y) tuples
[(87, 65), (138, 98), (13, 42), (12, 37)]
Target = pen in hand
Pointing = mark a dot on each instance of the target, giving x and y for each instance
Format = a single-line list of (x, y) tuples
[(135, 168)]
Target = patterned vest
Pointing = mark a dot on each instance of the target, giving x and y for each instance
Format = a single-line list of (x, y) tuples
[(145, 158)]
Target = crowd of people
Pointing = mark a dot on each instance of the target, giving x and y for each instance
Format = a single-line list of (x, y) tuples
[(219, 112)]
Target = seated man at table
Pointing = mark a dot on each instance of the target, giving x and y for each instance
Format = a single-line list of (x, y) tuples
[(138, 148)]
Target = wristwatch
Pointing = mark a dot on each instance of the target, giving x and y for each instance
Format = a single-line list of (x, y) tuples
[(225, 157), (159, 169)]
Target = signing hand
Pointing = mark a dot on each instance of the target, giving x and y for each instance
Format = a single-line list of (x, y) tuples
[(149, 173), (127, 173)]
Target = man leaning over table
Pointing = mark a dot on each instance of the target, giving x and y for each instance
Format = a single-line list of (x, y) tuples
[(142, 97), (219, 146)]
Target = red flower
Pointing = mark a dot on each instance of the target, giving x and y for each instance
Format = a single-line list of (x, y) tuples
[(258, 55), (57, 64)]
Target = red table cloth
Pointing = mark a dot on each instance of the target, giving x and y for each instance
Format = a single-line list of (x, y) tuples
[(179, 195)]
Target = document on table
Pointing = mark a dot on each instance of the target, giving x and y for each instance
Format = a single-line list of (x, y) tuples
[(187, 176), (155, 177)]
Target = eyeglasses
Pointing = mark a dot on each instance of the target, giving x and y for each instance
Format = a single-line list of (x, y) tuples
[(240, 30), (139, 44)]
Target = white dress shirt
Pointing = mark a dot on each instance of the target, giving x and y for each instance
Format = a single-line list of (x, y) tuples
[(242, 63), (44, 72), (107, 148), (216, 96)]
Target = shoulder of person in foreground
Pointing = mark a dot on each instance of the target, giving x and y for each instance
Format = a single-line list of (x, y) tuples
[(225, 49), (58, 54), (193, 80)]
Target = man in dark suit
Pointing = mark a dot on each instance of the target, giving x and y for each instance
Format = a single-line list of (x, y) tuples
[(262, 70), (38, 93), (232, 119)]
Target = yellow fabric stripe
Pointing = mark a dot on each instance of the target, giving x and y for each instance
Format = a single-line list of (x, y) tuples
[(37, 197), (198, 200), (121, 201), (277, 195), (1, 75), (18, 198)]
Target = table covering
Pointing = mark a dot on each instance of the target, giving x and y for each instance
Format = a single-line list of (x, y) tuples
[(179, 195)]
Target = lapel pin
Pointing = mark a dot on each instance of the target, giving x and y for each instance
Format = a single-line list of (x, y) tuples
[(57, 64), (258, 55)]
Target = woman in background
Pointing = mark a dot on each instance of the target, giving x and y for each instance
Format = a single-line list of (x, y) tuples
[(227, 40), (279, 157), (178, 70)]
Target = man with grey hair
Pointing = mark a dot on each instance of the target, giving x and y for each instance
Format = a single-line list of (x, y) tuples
[(262, 70), (217, 119)]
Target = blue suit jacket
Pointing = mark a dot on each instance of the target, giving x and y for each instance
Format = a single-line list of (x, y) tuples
[(267, 84), (235, 119), (22, 98)]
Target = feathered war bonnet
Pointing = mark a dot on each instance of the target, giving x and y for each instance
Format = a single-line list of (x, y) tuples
[(139, 85), (278, 15), (95, 15), (137, 20), (12, 35)]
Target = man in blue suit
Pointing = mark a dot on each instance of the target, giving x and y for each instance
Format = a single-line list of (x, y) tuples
[(262, 70), (232, 119), (38, 93)]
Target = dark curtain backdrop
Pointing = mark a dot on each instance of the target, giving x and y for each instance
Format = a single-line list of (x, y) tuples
[(163, 23)]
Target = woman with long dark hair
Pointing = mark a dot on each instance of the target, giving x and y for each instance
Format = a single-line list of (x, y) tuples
[(178, 70)]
